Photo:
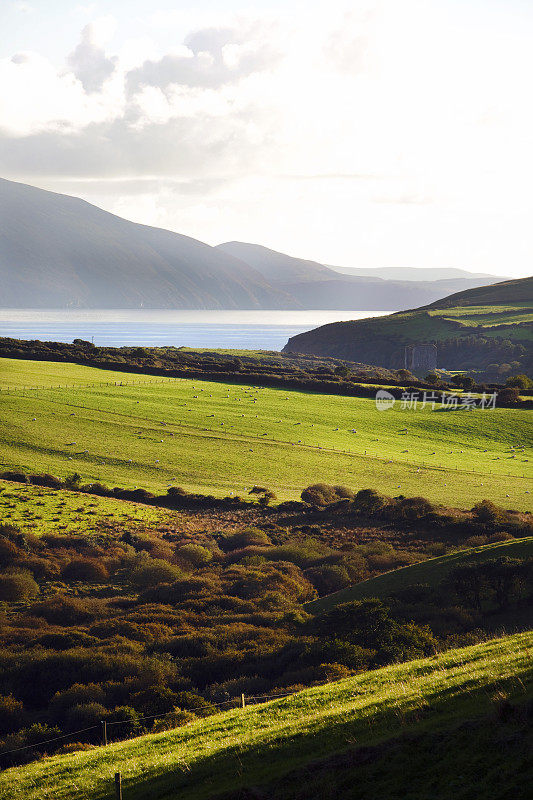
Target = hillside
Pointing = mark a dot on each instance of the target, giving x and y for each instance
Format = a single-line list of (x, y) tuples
[(474, 329), (430, 572), (318, 286), (334, 738), (223, 437), (58, 251)]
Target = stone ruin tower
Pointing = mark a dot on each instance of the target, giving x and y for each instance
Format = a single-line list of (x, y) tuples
[(420, 357)]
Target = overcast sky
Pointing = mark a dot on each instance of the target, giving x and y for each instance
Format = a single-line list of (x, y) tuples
[(367, 134)]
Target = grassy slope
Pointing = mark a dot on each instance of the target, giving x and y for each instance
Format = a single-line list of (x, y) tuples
[(219, 437), (431, 572), (40, 510), (262, 743)]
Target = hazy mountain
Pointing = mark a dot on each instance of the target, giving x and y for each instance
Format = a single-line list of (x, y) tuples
[(420, 274), (319, 286), (59, 251)]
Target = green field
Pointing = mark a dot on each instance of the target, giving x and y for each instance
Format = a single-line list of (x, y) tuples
[(430, 572), (39, 510), (221, 438), (262, 743)]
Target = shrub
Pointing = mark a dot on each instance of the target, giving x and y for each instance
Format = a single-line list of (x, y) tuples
[(195, 554), (321, 494), (510, 395), (328, 578), (16, 586), (84, 715), (72, 481), (487, 511), (154, 571), (85, 569), (520, 382), (20, 477), (370, 502), (47, 480), (247, 538), (12, 714), (8, 552), (63, 610), (412, 508)]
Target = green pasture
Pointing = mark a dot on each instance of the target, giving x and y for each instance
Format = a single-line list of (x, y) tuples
[(129, 430), (253, 746), (39, 510), (430, 572)]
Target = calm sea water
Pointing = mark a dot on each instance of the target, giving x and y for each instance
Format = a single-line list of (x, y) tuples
[(246, 330)]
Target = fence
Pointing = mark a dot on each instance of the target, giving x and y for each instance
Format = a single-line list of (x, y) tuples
[(106, 726)]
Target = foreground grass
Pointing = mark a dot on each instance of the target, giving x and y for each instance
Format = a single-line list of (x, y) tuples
[(221, 438), (260, 744), (430, 572)]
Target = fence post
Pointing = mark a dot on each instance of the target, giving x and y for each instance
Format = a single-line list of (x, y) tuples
[(104, 732), (243, 701), (118, 785)]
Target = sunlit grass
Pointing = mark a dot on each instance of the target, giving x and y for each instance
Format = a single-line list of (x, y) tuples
[(255, 745)]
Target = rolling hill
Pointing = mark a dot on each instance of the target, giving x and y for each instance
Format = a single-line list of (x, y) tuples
[(370, 735), (472, 329), (207, 436), (430, 572)]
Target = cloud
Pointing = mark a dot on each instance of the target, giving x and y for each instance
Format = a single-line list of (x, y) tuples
[(210, 58), (88, 61)]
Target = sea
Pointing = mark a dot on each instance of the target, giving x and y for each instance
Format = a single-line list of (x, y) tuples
[(236, 330)]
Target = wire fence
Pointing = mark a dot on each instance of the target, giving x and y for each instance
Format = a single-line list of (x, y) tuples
[(107, 724)]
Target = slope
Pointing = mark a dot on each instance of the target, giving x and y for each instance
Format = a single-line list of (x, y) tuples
[(430, 572), (223, 754), (59, 251), (225, 437)]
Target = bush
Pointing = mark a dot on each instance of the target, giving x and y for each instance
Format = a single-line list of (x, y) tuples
[(412, 508), (520, 382), (321, 494), (247, 538), (47, 480), (17, 586), (487, 511), (176, 719), (370, 502), (85, 715), (85, 569), (12, 714), (20, 477), (195, 554), (154, 571), (63, 610)]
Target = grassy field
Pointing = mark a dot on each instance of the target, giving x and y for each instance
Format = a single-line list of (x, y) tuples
[(262, 743), (39, 510), (223, 438), (430, 572)]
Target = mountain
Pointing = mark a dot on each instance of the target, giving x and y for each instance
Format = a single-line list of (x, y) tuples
[(488, 328), (59, 251), (316, 285), (420, 274)]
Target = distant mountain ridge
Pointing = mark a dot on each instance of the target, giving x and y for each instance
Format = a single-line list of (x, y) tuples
[(58, 251)]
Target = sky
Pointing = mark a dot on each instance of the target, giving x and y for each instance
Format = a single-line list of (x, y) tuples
[(375, 133)]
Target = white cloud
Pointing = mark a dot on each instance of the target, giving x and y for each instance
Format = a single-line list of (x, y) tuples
[(379, 131)]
